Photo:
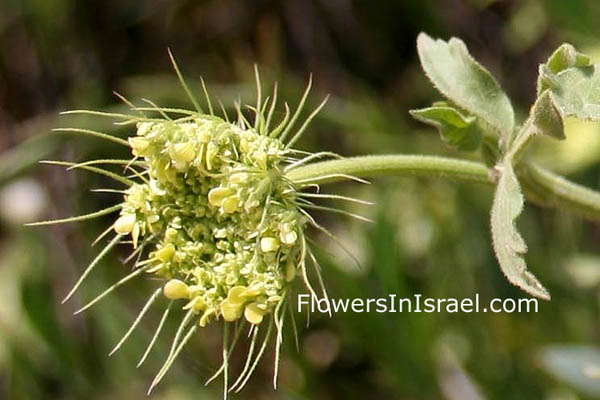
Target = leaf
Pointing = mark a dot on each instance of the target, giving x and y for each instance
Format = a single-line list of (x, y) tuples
[(463, 80), (455, 128), (546, 118), (508, 244), (576, 92), (566, 56)]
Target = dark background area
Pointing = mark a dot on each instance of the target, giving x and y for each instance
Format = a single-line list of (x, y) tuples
[(429, 236)]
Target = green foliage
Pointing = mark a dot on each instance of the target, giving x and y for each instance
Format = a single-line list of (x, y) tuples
[(567, 86), (508, 243), (545, 118), (576, 92), (566, 56), (456, 129), (465, 82)]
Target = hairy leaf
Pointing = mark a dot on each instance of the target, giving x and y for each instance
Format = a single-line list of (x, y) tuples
[(455, 128), (566, 56), (508, 244), (463, 80), (546, 118), (576, 92)]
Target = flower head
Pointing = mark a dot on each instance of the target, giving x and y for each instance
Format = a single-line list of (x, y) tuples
[(209, 209), (221, 216)]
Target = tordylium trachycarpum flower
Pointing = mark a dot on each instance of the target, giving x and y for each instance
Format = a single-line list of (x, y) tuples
[(209, 209)]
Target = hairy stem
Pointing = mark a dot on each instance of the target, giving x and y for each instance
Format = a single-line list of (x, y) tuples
[(539, 185), (548, 189), (368, 166)]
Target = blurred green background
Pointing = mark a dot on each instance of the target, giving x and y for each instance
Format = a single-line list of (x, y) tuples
[(429, 236)]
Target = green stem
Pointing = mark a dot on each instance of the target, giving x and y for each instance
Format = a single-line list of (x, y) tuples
[(539, 185), (368, 166), (548, 189)]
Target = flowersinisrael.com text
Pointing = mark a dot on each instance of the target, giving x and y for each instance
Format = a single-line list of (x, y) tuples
[(415, 304)]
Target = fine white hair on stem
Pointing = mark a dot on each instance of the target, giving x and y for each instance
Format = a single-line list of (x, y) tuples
[(129, 103), (294, 326), (97, 134), (112, 288), (137, 321), (167, 110), (183, 83), (275, 132), (336, 210), (256, 359), (331, 236), (106, 190), (254, 329), (278, 316), (84, 217), (105, 161), (292, 122), (102, 235), (307, 121), (271, 108), (170, 361), (175, 347), (118, 178), (320, 178), (314, 156), (163, 319), (95, 262), (257, 119), (157, 109), (336, 197), (237, 334), (207, 97), (225, 358), (319, 277)]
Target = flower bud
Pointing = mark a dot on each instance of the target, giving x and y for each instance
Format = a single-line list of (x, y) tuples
[(183, 152), (124, 224), (268, 244), (196, 304), (138, 145), (135, 234), (238, 177), (288, 238), (230, 204), (217, 195), (143, 128), (254, 314), (231, 311), (166, 253), (235, 295), (290, 270), (175, 289)]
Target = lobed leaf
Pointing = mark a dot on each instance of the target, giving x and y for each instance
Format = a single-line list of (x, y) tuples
[(576, 92), (508, 244), (455, 128), (566, 56), (465, 82)]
